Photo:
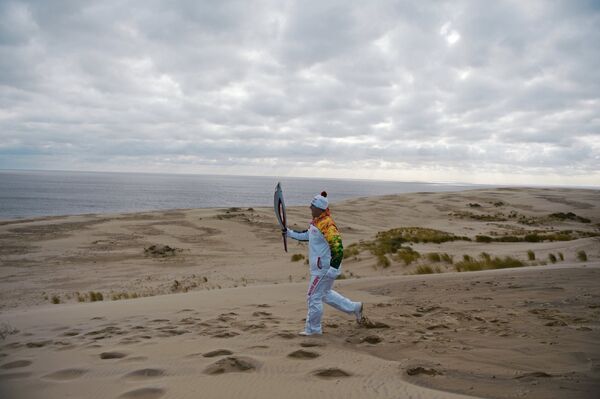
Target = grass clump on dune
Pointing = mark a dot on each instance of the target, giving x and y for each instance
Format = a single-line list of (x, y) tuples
[(351, 250), (530, 255), (434, 257), (407, 255), (391, 240), (582, 256), (383, 261), (486, 262), (96, 296), (539, 236), (447, 258), (297, 257), (569, 216), (426, 269)]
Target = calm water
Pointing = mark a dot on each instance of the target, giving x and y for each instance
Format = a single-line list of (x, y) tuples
[(43, 193)]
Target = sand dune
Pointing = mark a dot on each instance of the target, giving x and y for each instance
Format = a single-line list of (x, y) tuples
[(228, 327)]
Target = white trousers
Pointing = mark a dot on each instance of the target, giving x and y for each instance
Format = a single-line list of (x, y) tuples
[(319, 291)]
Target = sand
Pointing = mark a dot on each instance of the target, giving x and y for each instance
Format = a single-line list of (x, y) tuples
[(218, 304)]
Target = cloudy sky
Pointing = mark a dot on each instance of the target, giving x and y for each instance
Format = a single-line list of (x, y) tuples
[(465, 91)]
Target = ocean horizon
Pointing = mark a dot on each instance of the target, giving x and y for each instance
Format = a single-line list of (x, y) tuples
[(36, 193)]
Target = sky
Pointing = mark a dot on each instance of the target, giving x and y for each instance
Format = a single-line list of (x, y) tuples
[(496, 92)]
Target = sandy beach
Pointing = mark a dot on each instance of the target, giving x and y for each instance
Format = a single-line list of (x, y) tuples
[(205, 302)]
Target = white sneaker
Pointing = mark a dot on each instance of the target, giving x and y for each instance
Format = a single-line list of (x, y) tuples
[(359, 313)]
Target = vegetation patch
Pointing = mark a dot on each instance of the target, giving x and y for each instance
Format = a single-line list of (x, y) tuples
[(434, 257), (538, 236), (426, 269), (447, 258), (482, 238), (497, 217), (569, 216), (530, 255), (407, 255), (582, 256), (96, 296), (523, 219), (351, 250), (297, 257), (383, 261), (486, 262), (390, 241)]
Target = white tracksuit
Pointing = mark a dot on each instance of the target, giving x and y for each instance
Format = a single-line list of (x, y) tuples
[(322, 277)]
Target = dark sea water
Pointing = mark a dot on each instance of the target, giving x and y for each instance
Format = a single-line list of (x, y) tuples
[(48, 193)]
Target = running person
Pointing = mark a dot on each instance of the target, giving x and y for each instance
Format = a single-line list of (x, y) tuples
[(325, 253)]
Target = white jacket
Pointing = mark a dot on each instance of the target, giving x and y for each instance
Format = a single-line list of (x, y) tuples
[(320, 248)]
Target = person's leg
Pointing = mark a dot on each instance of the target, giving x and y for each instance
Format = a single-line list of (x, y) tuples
[(340, 302), (314, 300), (316, 290)]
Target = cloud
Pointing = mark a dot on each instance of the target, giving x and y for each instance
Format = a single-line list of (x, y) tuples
[(335, 88)]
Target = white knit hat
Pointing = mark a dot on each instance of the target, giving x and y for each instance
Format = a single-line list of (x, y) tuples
[(320, 201)]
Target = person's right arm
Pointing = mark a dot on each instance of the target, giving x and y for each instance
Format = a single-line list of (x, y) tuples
[(298, 235)]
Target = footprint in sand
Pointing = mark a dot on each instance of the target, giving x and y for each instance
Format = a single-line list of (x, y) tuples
[(144, 374), (14, 376), (371, 339), (143, 393), (419, 370), (66, 374), (112, 355), (232, 365), (366, 323), (16, 364), (303, 354), (129, 341), (38, 344), (332, 372), (218, 352), (225, 334), (261, 314), (311, 344), (287, 335)]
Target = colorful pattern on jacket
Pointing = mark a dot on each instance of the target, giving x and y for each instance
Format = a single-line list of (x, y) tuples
[(326, 225)]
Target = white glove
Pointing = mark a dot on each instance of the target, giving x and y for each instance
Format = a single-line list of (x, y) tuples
[(332, 273)]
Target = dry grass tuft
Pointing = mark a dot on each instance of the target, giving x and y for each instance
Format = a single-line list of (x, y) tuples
[(486, 262)]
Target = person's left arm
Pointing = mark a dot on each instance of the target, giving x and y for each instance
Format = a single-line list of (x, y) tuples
[(334, 239)]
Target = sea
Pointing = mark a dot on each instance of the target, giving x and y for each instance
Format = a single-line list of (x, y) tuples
[(28, 193)]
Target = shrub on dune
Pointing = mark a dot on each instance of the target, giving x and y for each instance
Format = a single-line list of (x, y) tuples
[(487, 262)]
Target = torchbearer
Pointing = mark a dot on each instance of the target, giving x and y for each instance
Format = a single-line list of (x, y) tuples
[(325, 253)]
